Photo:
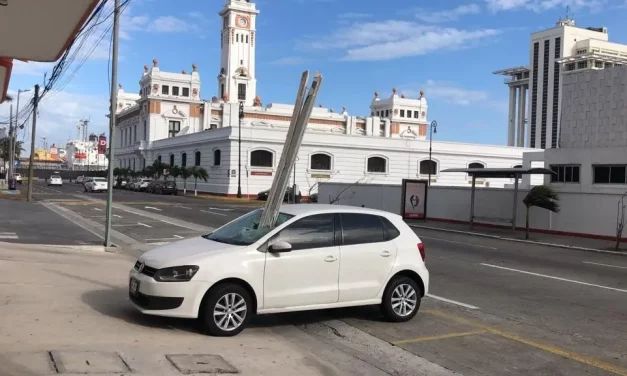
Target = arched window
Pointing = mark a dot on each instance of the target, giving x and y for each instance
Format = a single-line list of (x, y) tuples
[(476, 165), (262, 158), (429, 166), (217, 157), (184, 160), (171, 160), (197, 158), (320, 161), (159, 158), (377, 164)]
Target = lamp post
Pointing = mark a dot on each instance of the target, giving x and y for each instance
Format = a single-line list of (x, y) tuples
[(239, 150), (433, 128)]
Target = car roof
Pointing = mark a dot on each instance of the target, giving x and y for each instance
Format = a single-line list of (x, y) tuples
[(308, 209)]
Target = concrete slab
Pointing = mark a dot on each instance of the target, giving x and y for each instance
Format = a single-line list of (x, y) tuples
[(27, 363), (189, 364), (88, 362)]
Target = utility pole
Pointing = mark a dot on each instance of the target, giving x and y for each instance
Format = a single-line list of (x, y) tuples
[(10, 175), (239, 150), (112, 108), (31, 164)]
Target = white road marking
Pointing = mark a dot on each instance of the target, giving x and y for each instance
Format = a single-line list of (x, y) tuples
[(221, 209), (556, 278), (452, 301), (152, 208), (609, 266), (161, 239), (183, 207), (159, 243), (210, 212), (173, 224), (178, 236), (133, 225), (117, 216), (97, 209), (452, 241), (143, 224), (8, 235)]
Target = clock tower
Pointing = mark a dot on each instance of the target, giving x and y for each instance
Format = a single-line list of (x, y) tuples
[(236, 80)]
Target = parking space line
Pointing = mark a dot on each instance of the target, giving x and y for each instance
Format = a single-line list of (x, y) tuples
[(443, 336), (183, 207), (117, 216), (178, 237), (609, 266), (152, 208), (221, 209), (542, 346), (143, 224), (556, 278), (210, 212), (161, 239), (462, 243), (97, 209), (452, 301)]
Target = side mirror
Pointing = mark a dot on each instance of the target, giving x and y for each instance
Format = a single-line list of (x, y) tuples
[(280, 247)]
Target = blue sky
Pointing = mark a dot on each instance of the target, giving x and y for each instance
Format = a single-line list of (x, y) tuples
[(447, 48)]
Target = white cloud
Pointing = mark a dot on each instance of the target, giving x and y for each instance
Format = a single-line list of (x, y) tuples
[(197, 15), (32, 68), (291, 60), (448, 14), (453, 94), (171, 24), (542, 5), (394, 39), (353, 15)]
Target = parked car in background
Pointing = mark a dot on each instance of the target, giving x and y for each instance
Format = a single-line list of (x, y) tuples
[(55, 180), (142, 184), (313, 198), (96, 185), (151, 188), (167, 187), (316, 257), (121, 183), (80, 180), (18, 178), (132, 184), (263, 195)]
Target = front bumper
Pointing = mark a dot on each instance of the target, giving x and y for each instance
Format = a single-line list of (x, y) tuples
[(171, 299)]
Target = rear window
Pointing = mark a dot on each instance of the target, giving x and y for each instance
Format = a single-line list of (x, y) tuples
[(362, 229), (100, 180), (391, 231), (55, 177)]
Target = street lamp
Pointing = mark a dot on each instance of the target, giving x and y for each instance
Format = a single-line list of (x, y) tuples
[(239, 150), (433, 128)]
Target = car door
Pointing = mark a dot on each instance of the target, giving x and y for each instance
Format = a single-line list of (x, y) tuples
[(367, 256), (308, 274)]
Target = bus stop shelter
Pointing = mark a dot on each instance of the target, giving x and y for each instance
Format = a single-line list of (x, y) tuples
[(504, 173)]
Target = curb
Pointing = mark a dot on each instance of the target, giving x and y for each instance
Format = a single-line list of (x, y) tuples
[(478, 234)]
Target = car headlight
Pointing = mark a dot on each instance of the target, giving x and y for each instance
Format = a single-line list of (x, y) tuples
[(176, 274)]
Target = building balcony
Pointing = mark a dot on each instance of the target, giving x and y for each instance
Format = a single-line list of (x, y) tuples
[(514, 81)]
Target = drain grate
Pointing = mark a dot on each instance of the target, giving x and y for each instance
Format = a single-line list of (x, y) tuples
[(88, 362), (188, 364)]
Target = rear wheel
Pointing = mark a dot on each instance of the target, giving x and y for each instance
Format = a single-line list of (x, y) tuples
[(401, 299), (226, 311)]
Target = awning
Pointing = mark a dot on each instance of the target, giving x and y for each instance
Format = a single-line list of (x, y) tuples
[(38, 30)]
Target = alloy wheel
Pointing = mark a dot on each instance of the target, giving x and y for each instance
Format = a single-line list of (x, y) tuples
[(404, 300), (230, 311)]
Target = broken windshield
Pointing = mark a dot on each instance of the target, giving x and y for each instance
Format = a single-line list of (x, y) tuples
[(245, 230)]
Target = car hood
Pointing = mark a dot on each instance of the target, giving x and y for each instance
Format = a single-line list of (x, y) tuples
[(178, 253)]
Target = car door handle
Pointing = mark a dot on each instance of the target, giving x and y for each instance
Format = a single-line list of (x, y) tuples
[(385, 254), (330, 259)]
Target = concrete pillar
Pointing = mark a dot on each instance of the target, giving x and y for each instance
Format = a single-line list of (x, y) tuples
[(522, 111), (512, 117)]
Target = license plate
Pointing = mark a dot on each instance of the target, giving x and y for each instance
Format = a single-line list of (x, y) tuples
[(134, 286)]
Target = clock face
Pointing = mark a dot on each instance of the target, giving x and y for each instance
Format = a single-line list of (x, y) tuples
[(242, 22)]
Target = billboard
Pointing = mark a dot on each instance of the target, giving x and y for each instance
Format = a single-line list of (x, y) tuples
[(102, 144), (414, 199)]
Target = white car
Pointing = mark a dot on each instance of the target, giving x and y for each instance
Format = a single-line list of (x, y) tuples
[(316, 257), (80, 180), (96, 185), (18, 178), (142, 184), (55, 180)]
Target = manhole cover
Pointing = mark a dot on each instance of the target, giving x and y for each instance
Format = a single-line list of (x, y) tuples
[(200, 363), (88, 362)]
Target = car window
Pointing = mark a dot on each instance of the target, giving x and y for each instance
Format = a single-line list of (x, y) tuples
[(391, 232), (55, 177), (245, 230), (99, 179), (361, 229), (316, 231)]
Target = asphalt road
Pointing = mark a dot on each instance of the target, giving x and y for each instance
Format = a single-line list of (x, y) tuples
[(495, 308)]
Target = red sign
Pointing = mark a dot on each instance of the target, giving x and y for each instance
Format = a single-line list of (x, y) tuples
[(102, 145), (261, 173), (80, 155)]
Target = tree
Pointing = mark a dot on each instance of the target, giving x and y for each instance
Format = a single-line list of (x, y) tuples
[(175, 172), (543, 197), (150, 172), (199, 173), (186, 173), (620, 220), (158, 168), (4, 148), (345, 193)]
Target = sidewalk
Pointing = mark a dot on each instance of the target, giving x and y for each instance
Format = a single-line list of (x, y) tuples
[(569, 242)]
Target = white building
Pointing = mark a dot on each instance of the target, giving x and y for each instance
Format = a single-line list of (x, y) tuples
[(83, 155), (564, 47), (168, 120)]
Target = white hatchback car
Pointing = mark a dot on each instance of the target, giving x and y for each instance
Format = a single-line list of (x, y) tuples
[(96, 185), (55, 180), (316, 257)]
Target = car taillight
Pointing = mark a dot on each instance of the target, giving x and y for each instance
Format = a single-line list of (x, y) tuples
[(421, 248)]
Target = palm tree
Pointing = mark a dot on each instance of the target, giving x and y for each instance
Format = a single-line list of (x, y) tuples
[(543, 197), (4, 148), (159, 167), (199, 173), (186, 173), (150, 172), (175, 172)]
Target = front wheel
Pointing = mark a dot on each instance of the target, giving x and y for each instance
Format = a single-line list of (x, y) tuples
[(401, 300), (226, 311)]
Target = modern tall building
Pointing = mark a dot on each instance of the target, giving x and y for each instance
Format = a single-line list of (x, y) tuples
[(535, 99)]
